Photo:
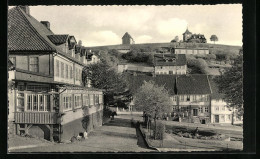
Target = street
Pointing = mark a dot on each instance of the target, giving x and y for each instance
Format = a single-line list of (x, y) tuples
[(115, 136)]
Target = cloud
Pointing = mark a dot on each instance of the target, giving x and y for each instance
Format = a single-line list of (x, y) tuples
[(172, 26), (105, 37), (143, 39)]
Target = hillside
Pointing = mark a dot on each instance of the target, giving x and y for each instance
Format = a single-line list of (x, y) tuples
[(213, 48)]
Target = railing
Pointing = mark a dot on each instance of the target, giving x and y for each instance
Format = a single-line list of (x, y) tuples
[(36, 117)]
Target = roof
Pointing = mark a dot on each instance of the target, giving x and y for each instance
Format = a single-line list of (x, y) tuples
[(173, 59), (28, 36), (187, 31), (127, 35), (25, 33), (168, 81), (193, 84), (58, 39), (215, 90), (182, 84)]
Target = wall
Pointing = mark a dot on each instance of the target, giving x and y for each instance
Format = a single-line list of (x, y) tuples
[(221, 111), (76, 126), (191, 51), (166, 69), (45, 63), (121, 68), (69, 63), (22, 62)]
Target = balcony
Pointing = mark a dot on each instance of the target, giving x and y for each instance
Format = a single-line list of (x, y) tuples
[(36, 117)]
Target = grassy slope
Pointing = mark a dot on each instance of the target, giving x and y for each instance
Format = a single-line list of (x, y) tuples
[(214, 48)]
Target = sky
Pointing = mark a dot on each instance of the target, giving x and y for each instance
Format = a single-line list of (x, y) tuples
[(105, 25)]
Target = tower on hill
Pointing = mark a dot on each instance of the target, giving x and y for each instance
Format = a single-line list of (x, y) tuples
[(127, 39)]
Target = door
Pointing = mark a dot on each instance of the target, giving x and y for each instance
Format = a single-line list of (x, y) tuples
[(195, 112), (216, 118), (170, 72)]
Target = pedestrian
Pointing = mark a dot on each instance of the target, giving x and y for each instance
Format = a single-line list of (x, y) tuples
[(85, 134)]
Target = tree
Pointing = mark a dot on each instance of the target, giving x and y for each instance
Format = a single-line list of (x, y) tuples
[(152, 99), (176, 39), (103, 75), (197, 66), (230, 83), (80, 43), (214, 38)]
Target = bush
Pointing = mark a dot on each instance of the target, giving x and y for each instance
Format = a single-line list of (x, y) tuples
[(159, 131)]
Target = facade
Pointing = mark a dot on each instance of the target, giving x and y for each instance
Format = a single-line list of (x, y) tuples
[(191, 51), (170, 64), (127, 39), (220, 112), (190, 94), (92, 59), (122, 67), (47, 98), (193, 38)]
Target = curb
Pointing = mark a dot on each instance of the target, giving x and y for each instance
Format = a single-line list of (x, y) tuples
[(146, 143)]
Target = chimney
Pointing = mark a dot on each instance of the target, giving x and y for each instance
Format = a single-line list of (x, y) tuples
[(46, 24), (26, 9)]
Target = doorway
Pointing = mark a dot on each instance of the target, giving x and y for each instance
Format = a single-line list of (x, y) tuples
[(216, 118), (195, 112)]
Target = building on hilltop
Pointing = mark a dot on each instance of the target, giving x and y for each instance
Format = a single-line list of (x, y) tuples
[(127, 39), (193, 38), (173, 64), (191, 51), (47, 94)]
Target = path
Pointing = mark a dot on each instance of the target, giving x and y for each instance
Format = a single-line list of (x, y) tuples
[(116, 136)]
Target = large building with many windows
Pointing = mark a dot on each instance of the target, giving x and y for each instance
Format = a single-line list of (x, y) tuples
[(173, 64), (47, 95), (190, 94)]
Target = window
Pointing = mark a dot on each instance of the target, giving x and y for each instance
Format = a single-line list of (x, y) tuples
[(101, 98), (222, 117), (38, 102), (91, 99), (200, 98), (62, 70), (188, 98), (182, 98), (217, 108), (71, 72), (76, 73), (66, 71), (34, 64), (96, 99), (228, 117), (194, 97), (13, 60), (206, 98), (38, 88), (77, 101), (67, 102), (206, 109), (174, 98), (57, 73), (85, 100), (200, 110), (223, 108)]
